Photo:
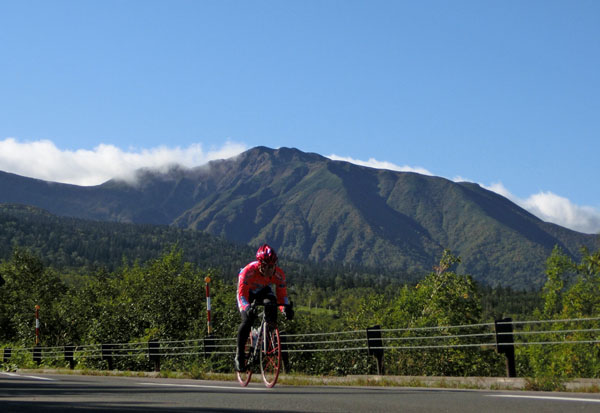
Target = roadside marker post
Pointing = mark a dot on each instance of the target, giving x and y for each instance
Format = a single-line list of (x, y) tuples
[(37, 325), (209, 340), (208, 309), (37, 351)]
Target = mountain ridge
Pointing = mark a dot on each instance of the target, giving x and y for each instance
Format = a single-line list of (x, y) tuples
[(312, 207)]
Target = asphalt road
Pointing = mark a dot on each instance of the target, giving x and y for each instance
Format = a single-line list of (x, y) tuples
[(73, 393)]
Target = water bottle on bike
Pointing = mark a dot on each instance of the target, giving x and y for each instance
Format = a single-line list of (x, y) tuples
[(254, 336)]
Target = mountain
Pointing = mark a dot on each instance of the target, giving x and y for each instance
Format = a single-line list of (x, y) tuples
[(310, 207)]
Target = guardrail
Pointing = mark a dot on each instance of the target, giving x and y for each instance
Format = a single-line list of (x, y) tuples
[(503, 334)]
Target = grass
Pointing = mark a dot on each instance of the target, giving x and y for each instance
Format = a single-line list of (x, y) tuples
[(545, 384)]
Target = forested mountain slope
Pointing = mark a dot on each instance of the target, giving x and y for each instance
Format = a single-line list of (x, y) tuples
[(76, 246)]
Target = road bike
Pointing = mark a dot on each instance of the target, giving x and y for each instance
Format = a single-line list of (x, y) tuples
[(263, 348)]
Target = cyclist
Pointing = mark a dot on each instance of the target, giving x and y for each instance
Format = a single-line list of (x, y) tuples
[(254, 283)]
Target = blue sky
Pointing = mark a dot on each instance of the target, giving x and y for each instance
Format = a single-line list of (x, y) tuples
[(502, 93)]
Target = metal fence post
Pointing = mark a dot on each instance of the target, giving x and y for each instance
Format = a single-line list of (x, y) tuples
[(209, 344), (375, 346), (284, 353), (505, 343), (7, 354), (37, 354), (154, 353), (107, 355), (69, 353)]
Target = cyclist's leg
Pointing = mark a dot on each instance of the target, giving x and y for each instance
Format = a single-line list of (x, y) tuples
[(242, 337)]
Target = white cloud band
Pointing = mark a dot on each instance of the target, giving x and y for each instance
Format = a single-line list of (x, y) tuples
[(43, 160), (374, 163), (556, 209)]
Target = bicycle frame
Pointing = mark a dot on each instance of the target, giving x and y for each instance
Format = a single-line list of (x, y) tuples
[(254, 355)]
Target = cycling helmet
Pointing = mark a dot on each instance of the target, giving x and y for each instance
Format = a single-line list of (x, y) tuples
[(266, 255)]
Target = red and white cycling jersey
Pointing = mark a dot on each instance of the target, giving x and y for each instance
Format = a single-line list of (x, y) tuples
[(250, 280)]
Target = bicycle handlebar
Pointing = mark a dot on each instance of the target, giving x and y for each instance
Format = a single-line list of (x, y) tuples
[(255, 304)]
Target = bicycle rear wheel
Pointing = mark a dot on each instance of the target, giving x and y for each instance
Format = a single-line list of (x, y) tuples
[(270, 355), (245, 376)]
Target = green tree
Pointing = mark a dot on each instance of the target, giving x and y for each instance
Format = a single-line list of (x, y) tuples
[(443, 298), (163, 299), (558, 267), (29, 283), (572, 292)]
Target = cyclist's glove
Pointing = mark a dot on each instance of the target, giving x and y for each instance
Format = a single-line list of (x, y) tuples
[(288, 312), (251, 312)]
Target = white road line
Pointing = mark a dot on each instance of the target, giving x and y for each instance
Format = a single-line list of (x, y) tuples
[(203, 386), (40, 378), (27, 377), (568, 399)]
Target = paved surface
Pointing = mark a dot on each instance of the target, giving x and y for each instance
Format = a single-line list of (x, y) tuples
[(57, 393)]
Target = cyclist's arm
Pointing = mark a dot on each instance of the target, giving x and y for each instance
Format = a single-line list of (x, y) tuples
[(243, 291)]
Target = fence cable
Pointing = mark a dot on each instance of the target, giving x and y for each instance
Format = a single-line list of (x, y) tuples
[(220, 346)]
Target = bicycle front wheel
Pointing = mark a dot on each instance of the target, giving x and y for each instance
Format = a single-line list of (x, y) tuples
[(270, 355)]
